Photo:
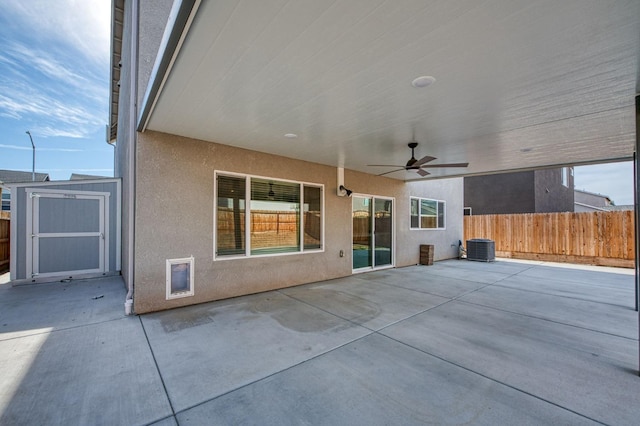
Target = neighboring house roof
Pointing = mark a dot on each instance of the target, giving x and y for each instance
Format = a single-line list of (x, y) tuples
[(620, 208), (78, 176), (582, 191), (15, 176)]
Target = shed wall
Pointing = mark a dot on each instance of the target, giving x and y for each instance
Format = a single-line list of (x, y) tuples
[(19, 215)]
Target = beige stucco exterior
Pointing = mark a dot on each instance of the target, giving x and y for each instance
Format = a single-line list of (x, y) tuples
[(175, 219)]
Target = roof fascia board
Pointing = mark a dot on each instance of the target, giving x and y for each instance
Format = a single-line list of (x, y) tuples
[(117, 9), (178, 23)]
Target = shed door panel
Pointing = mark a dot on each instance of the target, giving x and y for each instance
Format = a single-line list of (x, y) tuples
[(59, 215), (68, 234), (66, 254)]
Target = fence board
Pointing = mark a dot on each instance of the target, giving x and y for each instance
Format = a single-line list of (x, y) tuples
[(599, 238)]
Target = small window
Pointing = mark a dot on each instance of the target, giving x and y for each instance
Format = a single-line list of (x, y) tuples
[(427, 214), (567, 174), (179, 278)]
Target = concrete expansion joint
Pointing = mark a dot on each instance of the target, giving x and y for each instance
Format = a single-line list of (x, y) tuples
[(155, 362), (548, 320), (57, 330), (494, 380)]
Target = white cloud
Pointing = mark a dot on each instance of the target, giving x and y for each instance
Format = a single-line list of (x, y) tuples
[(28, 148), (81, 24)]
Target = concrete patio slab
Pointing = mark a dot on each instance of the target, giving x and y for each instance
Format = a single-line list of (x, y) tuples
[(612, 290), (585, 274), (371, 304), (587, 372), (418, 278), (456, 342), (446, 269), (603, 317), (499, 266), (170, 421), (29, 308), (377, 381), (207, 350), (98, 374)]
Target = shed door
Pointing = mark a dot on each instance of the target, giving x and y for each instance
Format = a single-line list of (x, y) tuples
[(67, 234)]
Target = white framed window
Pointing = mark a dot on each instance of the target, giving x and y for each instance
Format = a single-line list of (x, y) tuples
[(180, 278), (567, 175), (427, 213), (258, 216)]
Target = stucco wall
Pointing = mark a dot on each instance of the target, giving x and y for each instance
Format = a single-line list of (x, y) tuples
[(539, 191), (152, 25), (174, 219), (138, 58), (551, 194), (500, 193)]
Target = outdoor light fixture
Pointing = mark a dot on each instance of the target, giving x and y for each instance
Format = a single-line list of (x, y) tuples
[(344, 191), (33, 165)]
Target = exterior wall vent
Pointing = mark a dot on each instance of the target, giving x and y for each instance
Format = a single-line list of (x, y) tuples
[(481, 249), (180, 278)]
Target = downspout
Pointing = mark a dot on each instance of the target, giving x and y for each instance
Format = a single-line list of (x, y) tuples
[(132, 134)]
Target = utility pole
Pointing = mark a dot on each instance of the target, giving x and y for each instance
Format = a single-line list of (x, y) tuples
[(33, 165)]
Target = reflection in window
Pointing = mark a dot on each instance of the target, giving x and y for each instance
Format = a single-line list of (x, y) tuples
[(312, 217), (427, 214), (275, 216), (231, 216)]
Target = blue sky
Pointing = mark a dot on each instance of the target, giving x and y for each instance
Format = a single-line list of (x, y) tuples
[(54, 82)]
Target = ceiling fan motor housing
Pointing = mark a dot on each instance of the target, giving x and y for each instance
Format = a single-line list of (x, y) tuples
[(413, 160)]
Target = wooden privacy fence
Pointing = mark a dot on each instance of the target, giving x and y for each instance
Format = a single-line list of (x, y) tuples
[(596, 238), (268, 228), (4, 244)]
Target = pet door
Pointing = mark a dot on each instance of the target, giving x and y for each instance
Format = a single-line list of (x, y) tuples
[(179, 278)]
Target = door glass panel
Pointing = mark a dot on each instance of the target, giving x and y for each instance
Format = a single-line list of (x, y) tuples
[(361, 218), (383, 232)]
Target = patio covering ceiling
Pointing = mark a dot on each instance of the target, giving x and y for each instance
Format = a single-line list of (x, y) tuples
[(520, 84)]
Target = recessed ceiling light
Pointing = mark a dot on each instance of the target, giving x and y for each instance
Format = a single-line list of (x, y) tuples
[(423, 81), (290, 135)]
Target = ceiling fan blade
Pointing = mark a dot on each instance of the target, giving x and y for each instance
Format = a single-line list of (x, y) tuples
[(384, 165), (392, 171), (423, 160), (430, 166), (422, 172)]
